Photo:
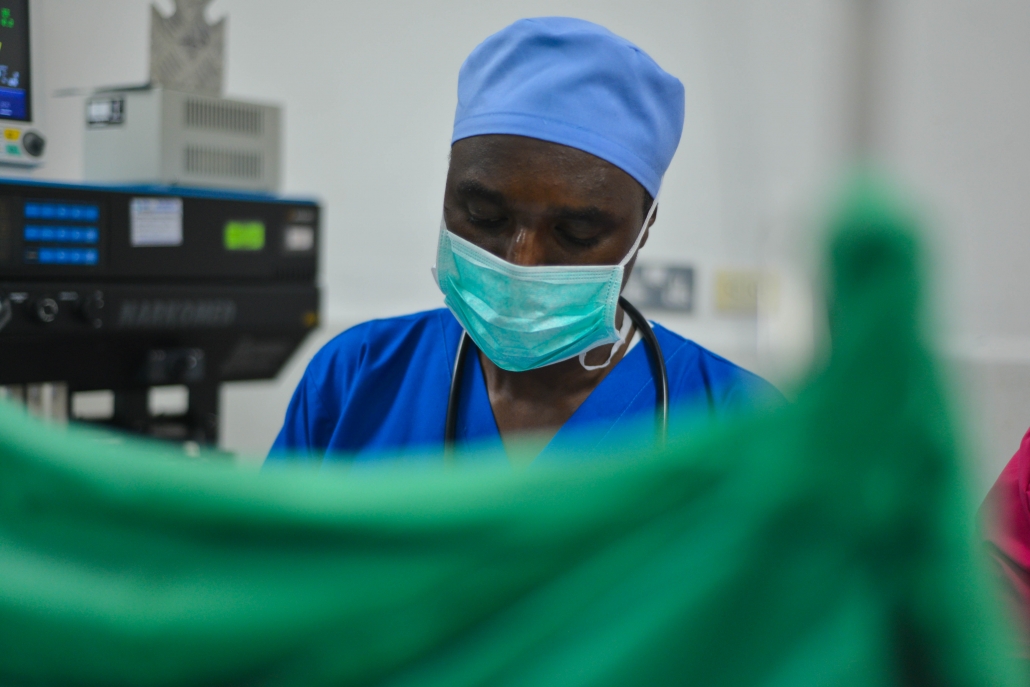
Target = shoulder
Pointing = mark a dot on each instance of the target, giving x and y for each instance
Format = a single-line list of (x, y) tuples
[(388, 337), (726, 383), (350, 384), (382, 346)]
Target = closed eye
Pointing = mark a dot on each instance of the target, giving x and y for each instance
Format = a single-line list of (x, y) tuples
[(577, 239), (584, 227), (486, 222)]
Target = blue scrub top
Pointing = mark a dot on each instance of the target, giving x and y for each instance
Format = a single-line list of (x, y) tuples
[(381, 389)]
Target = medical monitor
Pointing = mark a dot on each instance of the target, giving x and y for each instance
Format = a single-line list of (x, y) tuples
[(22, 143)]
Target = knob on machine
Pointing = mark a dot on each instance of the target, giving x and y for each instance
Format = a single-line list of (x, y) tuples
[(33, 143), (45, 310), (91, 308)]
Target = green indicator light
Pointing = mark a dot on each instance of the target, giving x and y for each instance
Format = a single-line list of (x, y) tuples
[(244, 235), (6, 20)]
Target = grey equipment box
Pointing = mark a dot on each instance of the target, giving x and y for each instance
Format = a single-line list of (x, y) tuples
[(157, 136)]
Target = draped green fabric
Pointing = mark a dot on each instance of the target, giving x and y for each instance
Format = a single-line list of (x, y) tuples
[(827, 542)]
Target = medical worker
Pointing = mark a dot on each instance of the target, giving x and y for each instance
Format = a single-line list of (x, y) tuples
[(1005, 527), (562, 134)]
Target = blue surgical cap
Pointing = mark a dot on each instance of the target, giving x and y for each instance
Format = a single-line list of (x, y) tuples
[(572, 82)]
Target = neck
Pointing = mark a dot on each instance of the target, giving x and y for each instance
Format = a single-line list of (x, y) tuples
[(540, 401)]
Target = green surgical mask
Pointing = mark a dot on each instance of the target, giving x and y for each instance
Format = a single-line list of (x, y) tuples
[(522, 317)]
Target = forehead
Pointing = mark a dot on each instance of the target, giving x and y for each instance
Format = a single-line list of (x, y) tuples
[(510, 163)]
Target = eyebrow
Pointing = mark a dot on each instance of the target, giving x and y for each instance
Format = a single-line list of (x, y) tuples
[(590, 214), (474, 189)]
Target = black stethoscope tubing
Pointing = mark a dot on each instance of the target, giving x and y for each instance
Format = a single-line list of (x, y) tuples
[(655, 356)]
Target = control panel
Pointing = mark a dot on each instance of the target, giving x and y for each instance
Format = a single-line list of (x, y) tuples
[(60, 233), (124, 288), (62, 308), (153, 233), (22, 143), (56, 331)]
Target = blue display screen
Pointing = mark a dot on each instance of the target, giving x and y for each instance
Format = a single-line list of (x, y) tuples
[(12, 104), (15, 81)]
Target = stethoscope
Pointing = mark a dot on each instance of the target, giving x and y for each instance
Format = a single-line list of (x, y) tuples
[(657, 371)]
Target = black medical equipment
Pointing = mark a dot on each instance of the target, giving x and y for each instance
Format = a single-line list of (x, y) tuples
[(128, 288), (655, 356)]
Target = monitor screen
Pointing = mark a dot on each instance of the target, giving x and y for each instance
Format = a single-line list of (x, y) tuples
[(15, 96)]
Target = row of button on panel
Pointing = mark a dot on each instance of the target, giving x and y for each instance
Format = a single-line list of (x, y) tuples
[(45, 308)]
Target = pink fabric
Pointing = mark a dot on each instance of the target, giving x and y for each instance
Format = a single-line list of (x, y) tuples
[(1005, 518)]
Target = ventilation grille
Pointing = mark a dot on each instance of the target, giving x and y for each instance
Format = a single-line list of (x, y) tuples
[(218, 162), (231, 117)]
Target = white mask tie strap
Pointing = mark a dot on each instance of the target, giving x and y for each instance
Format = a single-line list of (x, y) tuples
[(627, 324), (643, 228)]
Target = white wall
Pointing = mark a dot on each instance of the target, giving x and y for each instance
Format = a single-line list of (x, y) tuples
[(955, 123), (369, 95)]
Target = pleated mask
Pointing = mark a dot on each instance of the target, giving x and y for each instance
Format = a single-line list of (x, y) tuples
[(525, 317)]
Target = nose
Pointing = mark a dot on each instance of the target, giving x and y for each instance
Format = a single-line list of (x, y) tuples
[(526, 246)]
